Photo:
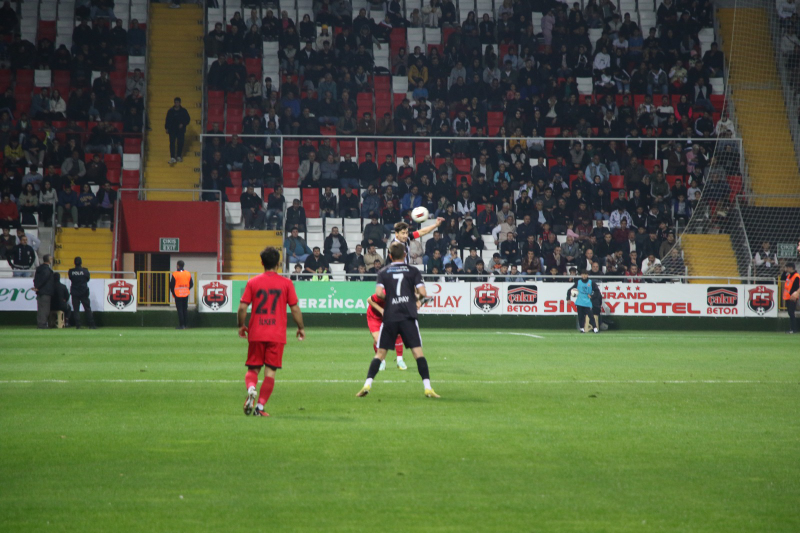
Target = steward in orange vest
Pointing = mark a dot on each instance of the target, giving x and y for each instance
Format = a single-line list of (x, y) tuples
[(180, 285)]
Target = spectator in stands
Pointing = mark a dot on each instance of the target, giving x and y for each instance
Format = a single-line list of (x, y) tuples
[(375, 233), (28, 203), (766, 261), (296, 247), (136, 39), (371, 203), (372, 256), (335, 247), (252, 171), (315, 262), (355, 260), (329, 173), (96, 171), (175, 125), (87, 203), (9, 213), (7, 244), (48, 197), (215, 181), (252, 209), (328, 202), (649, 263), (296, 216), (105, 199), (309, 172), (22, 259), (349, 203)]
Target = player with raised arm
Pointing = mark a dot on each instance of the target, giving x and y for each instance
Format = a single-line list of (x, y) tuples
[(269, 293), (403, 236), (400, 286)]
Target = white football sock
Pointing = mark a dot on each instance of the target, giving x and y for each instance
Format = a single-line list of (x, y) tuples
[(368, 383), (426, 383)]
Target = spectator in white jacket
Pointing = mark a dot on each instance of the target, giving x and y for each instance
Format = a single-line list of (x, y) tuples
[(649, 263), (617, 216)]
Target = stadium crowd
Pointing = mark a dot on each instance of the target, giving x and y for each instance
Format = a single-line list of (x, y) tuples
[(62, 140), (505, 143)]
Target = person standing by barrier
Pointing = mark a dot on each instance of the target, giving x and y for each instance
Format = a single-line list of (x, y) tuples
[(583, 288), (791, 293), (180, 285), (175, 124), (79, 290), (44, 287)]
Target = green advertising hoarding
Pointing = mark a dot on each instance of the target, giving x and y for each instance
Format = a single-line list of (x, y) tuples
[(323, 296)]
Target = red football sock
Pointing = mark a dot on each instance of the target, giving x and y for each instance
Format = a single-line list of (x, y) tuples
[(375, 347), (251, 379), (266, 390), (399, 349)]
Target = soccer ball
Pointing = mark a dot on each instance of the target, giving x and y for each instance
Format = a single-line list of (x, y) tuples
[(419, 214), (573, 293)]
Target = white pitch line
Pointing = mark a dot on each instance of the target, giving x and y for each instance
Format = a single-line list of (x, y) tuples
[(479, 382), (519, 334)]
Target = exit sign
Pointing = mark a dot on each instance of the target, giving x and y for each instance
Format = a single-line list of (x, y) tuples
[(169, 244), (787, 250)]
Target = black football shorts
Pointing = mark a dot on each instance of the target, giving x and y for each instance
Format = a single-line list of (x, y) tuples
[(407, 329)]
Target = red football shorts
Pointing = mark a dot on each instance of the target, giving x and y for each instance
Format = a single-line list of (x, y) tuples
[(374, 324), (265, 353)]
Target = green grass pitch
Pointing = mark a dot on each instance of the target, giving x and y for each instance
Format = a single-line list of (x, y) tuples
[(142, 430)]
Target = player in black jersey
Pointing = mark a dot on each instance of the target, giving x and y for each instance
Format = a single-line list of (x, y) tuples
[(402, 235), (400, 286)]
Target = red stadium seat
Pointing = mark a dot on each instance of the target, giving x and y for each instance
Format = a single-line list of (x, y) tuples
[(404, 149), (463, 164), (132, 145), (25, 78), (113, 160), (234, 193), (113, 175), (310, 196), (130, 179), (421, 149), (236, 177), (650, 164), (617, 181), (384, 148)]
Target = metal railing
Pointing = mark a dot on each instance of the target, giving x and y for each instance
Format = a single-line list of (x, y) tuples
[(342, 277), (153, 287), (622, 141), (145, 116)]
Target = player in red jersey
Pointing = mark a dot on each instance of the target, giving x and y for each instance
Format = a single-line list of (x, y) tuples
[(374, 321), (269, 293)]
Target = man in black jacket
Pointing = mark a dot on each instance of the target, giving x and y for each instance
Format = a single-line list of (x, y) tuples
[(44, 286), (348, 203), (335, 247), (60, 299), (252, 209), (175, 124), (79, 289), (22, 258), (252, 171)]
